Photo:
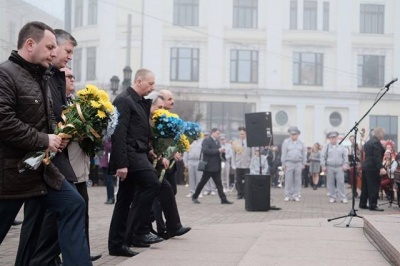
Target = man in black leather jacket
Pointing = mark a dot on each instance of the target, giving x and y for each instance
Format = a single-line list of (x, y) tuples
[(26, 125)]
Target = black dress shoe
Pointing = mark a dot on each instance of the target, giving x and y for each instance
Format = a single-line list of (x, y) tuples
[(146, 239), (196, 201), (123, 251), (376, 209), (226, 202), (180, 231), (164, 235), (16, 223), (363, 207), (138, 244), (95, 257), (110, 201)]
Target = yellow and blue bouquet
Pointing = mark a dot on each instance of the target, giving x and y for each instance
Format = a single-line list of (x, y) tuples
[(90, 120), (172, 135)]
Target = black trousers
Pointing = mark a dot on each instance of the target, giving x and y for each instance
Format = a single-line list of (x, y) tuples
[(371, 181), (166, 203), (46, 250), (240, 179), (68, 207), (216, 176), (8, 211), (132, 210)]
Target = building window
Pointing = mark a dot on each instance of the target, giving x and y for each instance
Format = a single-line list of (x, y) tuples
[(335, 119), (186, 12), (371, 70), (185, 64), (281, 118), (91, 63), (389, 123), (92, 12), (78, 13), (244, 66), (245, 13), (325, 25), (77, 64), (310, 15), (372, 18), (293, 15), (308, 69)]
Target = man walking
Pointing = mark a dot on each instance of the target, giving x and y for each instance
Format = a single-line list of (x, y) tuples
[(130, 162), (212, 152)]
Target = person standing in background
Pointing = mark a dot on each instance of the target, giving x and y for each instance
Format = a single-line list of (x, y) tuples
[(372, 170), (226, 163), (109, 179), (335, 161), (241, 158), (293, 161), (315, 165), (191, 160)]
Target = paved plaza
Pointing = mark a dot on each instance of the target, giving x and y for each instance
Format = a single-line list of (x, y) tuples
[(298, 234)]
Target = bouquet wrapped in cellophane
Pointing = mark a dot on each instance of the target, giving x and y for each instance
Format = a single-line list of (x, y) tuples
[(90, 119), (172, 135)]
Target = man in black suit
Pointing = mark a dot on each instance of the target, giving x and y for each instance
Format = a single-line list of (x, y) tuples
[(212, 154), (130, 162), (372, 170)]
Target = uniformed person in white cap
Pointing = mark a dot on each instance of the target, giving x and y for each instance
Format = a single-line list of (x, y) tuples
[(293, 161), (334, 162)]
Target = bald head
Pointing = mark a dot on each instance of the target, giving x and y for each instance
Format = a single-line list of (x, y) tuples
[(168, 99)]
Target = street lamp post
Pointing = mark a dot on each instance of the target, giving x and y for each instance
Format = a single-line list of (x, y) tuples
[(127, 77), (114, 84)]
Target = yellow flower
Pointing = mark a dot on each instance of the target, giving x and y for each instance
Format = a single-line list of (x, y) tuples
[(92, 89), (185, 142), (107, 105), (95, 104), (101, 114), (103, 96)]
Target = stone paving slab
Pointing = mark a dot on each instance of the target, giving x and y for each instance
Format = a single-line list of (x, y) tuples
[(230, 235)]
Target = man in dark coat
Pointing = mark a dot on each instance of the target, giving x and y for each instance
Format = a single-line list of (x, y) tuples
[(212, 154), (130, 162), (25, 125), (372, 171)]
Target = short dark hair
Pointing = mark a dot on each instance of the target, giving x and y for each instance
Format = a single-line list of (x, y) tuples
[(141, 73), (214, 130), (34, 30), (63, 36), (242, 128)]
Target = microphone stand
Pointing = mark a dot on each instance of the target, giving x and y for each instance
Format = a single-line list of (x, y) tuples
[(353, 212)]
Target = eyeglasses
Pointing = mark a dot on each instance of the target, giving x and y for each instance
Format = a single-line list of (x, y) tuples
[(70, 77)]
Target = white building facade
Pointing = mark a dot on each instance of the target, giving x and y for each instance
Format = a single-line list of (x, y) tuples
[(318, 65)]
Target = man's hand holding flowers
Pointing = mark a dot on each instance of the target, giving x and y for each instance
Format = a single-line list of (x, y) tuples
[(90, 119)]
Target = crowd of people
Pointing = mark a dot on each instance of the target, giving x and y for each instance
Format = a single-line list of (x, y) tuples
[(36, 83)]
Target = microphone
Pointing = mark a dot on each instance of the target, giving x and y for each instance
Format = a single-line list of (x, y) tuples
[(391, 82)]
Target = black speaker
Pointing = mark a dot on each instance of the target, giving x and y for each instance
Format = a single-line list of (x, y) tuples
[(257, 192), (258, 129)]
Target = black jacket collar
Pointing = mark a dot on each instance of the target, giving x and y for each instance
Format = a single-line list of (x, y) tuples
[(36, 70)]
